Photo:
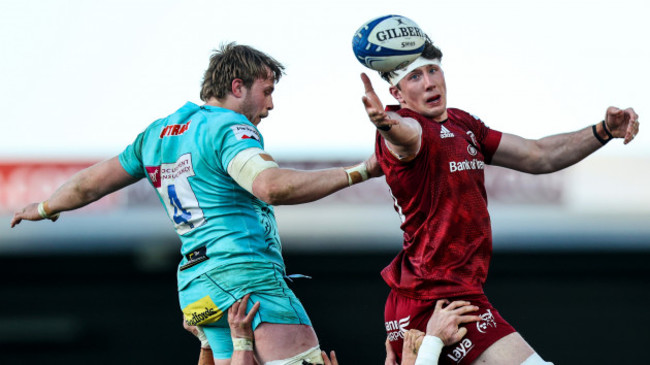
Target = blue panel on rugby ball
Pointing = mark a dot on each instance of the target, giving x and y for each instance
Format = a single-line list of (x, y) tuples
[(388, 43)]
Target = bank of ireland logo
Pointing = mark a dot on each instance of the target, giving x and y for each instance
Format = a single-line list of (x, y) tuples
[(487, 320)]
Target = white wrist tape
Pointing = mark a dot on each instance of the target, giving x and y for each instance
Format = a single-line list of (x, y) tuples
[(242, 344), (429, 350), (357, 173), (202, 337), (42, 211), (247, 164)]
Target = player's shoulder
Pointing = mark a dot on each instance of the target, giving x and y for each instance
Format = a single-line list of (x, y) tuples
[(456, 113), (462, 117)]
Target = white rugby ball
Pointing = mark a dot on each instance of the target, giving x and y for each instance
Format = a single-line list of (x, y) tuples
[(388, 43)]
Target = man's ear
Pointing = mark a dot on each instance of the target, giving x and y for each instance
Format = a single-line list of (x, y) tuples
[(237, 88), (397, 93)]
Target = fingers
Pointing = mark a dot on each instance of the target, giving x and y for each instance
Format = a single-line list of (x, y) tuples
[(367, 85), (457, 304), (335, 361), (251, 314), (462, 331), (15, 220), (633, 125), (326, 360)]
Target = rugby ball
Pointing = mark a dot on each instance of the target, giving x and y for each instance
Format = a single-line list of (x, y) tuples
[(388, 43)]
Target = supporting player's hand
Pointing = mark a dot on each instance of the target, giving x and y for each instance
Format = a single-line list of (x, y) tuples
[(241, 323), (198, 332), (412, 342), (374, 107), (391, 358), (622, 123), (327, 360), (30, 213), (445, 321)]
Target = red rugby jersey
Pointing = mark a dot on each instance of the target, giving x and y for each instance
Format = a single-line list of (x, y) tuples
[(441, 199)]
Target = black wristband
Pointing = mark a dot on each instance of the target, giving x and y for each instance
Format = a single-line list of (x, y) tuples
[(602, 141), (385, 128), (607, 130)]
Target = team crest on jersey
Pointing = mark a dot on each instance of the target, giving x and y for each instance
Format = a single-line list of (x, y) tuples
[(243, 131)]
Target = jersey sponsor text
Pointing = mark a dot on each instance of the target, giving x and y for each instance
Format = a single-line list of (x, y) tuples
[(474, 164)]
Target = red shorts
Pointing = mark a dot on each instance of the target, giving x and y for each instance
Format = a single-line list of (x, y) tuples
[(403, 313)]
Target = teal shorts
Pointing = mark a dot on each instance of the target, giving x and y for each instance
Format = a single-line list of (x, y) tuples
[(206, 299)]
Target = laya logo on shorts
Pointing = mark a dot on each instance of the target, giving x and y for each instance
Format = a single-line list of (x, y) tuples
[(175, 129), (460, 351), (202, 312), (243, 131), (487, 320)]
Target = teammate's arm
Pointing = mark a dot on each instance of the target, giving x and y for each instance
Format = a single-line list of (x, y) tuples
[(81, 189), (403, 135), (559, 151), (241, 330), (206, 357)]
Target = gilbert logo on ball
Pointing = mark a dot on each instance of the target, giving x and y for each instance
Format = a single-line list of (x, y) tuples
[(388, 43)]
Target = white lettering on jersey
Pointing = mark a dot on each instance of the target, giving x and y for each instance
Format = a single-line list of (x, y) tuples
[(474, 164)]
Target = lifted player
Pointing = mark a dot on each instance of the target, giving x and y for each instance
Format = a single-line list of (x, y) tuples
[(433, 158)]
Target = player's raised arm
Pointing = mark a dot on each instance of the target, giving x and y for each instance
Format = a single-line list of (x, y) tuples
[(559, 151), (81, 189), (402, 135)]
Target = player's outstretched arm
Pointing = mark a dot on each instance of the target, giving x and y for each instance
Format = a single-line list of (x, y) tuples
[(241, 330), (553, 153), (402, 135), (83, 188), (256, 171)]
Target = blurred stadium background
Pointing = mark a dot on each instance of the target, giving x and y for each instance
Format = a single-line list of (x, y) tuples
[(570, 267)]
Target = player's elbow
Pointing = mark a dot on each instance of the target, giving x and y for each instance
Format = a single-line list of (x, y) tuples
[(272, 191)]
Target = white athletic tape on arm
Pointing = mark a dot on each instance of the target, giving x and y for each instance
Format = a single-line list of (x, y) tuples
[(247, 164), (357, 173), (398, 75), (242, 344), (429, 351), (202, 337), (42, 211)]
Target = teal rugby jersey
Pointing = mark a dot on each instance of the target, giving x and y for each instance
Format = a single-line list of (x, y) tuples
[(185, 157)]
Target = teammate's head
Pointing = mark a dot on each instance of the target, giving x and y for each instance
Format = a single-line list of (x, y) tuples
[(232, 61)]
